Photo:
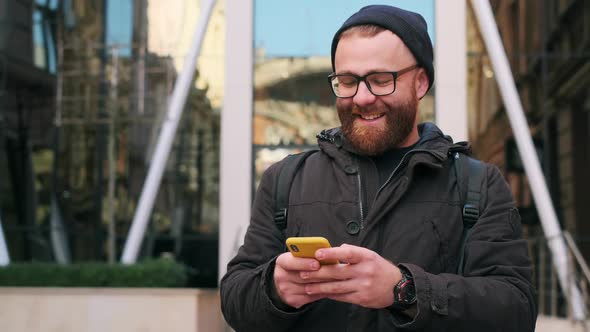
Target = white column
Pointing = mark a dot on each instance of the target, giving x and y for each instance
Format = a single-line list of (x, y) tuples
[(236, 130), (450, 54)]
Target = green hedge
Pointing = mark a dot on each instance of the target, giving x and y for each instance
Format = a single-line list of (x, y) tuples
[(153, 273)]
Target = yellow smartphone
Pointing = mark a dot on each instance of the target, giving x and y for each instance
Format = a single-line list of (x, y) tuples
[(306, 247)]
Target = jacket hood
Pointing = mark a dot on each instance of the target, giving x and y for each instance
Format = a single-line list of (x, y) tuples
[(333, 143)]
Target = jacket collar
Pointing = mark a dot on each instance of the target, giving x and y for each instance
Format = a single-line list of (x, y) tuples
[(432, 140)]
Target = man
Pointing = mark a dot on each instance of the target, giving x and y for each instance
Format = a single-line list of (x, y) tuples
[(382, 190)]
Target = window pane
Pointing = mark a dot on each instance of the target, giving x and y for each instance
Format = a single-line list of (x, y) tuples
[(120, 25), (39, 50), (44, 51)]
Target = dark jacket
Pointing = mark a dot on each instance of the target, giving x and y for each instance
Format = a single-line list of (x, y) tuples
[(414, 220)]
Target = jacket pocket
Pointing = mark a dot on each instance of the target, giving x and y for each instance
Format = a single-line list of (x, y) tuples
[(443, 245)]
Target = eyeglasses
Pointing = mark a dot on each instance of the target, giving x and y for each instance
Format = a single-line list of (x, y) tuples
[(378, 83)]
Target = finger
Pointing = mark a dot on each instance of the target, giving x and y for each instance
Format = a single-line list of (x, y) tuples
[(329, 273), (282, 276), (291, 263), (294, 294), (296, 277), (345, 253), (285, 288), (291, 277), (331, 287)]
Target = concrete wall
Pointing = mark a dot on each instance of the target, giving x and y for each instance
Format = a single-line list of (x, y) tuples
[(109, 309)]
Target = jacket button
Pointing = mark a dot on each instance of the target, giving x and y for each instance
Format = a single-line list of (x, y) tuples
[(350, 169), (353, 227)]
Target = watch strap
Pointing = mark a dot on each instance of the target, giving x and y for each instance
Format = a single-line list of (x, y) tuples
[(404, 292)]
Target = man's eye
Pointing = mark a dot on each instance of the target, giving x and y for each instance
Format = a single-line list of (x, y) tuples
[(347, 81), (382, 80)]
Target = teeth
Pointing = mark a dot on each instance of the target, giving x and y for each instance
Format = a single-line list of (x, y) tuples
[(371, 116)]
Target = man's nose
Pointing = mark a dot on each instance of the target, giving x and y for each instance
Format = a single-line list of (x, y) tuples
[(363, 95)]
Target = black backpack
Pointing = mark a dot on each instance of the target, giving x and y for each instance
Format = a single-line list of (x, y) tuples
[(469, 193)]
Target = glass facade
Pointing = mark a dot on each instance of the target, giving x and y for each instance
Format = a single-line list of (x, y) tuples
[(292, 98), (75, 150), (80, 120)]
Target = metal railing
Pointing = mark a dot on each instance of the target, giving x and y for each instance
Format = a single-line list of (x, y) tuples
[(552, 299)]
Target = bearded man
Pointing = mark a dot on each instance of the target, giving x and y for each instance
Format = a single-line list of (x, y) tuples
[(383, 191)]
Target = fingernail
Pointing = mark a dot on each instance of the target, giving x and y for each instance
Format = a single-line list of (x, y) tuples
[(304, 275), (308, 290), (319, 254), (314, 265)]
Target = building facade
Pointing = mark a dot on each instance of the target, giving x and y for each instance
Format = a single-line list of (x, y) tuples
[(549, 53)]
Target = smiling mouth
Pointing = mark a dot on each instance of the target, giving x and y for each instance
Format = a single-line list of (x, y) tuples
[(370, 116)]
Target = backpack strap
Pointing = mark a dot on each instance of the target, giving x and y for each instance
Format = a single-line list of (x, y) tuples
[(290, 166), (470, 198)]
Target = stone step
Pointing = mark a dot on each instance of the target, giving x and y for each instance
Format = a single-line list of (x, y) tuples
[(552, 324)]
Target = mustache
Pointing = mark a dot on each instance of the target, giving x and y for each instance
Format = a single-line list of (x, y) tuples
[(370, 110)]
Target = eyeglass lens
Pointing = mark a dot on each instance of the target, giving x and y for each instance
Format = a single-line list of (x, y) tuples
[(377, 83)]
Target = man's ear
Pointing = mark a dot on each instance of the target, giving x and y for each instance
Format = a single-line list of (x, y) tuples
[(421, 83)]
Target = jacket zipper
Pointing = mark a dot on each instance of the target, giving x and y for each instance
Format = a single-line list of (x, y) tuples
[(399, 165), (358, 175), (362, 221), (381, 232)]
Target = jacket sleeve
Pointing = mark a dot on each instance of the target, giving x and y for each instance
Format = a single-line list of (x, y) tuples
[(495, 291), (245, 289)]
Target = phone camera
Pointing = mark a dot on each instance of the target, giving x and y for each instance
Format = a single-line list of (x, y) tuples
[(294, 248)]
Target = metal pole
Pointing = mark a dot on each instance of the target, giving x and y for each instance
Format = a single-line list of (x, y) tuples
[(551, 228), (4, 257), (59, 238), (111, 151), (165, 140)]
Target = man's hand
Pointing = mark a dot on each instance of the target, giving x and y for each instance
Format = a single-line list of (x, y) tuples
[(367, 279), (288, 282)]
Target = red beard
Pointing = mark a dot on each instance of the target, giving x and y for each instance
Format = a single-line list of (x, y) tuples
[(372, 141)]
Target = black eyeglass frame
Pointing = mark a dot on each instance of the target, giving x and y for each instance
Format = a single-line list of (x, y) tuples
[(360, 79)]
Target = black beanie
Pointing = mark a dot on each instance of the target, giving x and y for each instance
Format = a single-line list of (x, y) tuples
[(410, 27)]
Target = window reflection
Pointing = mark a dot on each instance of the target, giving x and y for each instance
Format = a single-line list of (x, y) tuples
[(292, 101), (44, 50), (266, 156), (75, 146)]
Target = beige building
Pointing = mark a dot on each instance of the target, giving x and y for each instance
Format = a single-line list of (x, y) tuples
[(171, 29)]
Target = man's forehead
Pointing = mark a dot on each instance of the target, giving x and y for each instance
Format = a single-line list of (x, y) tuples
[(387, 40)]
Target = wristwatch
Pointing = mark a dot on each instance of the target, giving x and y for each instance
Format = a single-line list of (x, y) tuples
[(404, 292)]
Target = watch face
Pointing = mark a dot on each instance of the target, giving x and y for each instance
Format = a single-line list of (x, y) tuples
[(404, 293), (409, 293)]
